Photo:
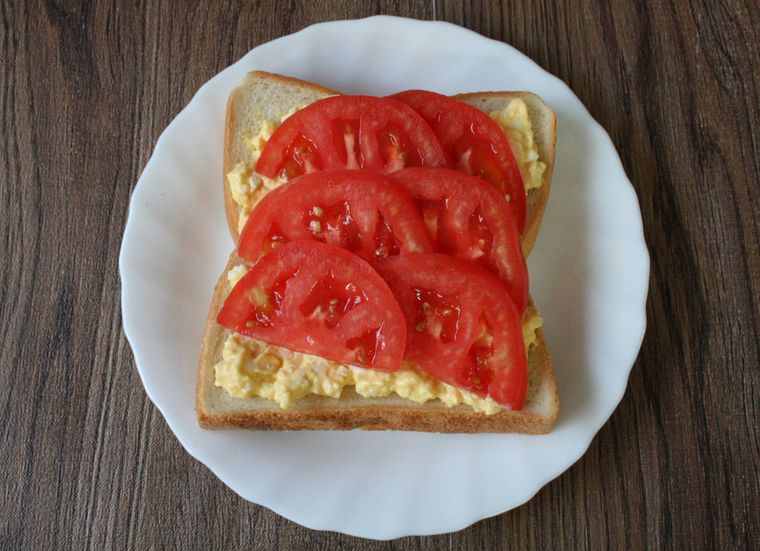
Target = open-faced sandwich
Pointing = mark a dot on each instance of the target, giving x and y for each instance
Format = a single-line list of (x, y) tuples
[(379, 278)]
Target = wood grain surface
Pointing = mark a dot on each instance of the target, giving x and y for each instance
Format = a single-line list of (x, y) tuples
[(86, 460)]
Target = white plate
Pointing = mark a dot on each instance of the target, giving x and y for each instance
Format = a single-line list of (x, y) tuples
[(589, 276)]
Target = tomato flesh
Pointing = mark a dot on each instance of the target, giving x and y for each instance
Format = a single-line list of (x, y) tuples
[(319, 299), (302, 156), (467, 219), (366, 213), (462, 328), (437, 314), (475, 143), (331, 300), (340, 132)]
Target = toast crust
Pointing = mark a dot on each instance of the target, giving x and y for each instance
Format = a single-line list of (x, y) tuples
[(545, 135), (217, 410), (231, 210)]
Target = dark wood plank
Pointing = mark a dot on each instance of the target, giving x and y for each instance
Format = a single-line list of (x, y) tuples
[(85, 90)]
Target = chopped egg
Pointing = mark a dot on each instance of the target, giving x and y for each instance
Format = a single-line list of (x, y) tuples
[(515, 122)]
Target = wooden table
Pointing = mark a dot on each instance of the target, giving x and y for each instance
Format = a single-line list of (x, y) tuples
[(88, 462)]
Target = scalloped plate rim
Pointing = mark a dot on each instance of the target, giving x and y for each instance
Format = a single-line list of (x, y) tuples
[(132, 332)]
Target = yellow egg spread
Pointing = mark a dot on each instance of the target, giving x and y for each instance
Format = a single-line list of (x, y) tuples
[(516, 124), (252, 368), (248, 188)]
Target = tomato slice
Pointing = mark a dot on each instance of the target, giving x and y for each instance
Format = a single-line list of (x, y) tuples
[(468, 219), (461, 327), (378, 134), (364, 212), (475, 143), (319, 299)]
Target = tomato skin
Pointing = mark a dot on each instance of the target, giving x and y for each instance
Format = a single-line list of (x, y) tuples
[(469, 220), (371, 215), (475, 143), (341, 132), (462, 328), (319, 299)]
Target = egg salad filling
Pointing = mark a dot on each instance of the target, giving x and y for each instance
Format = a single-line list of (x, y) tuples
[(515, 122), (251, 368), (247, 187)]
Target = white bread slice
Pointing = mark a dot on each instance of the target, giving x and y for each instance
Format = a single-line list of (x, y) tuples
[(265, 96), (216, 409)]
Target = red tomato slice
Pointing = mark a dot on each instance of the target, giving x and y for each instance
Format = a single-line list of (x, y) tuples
[(319, 299), (468, 219), (378, 134), (461, 327), (475, 143), (361, 211)]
